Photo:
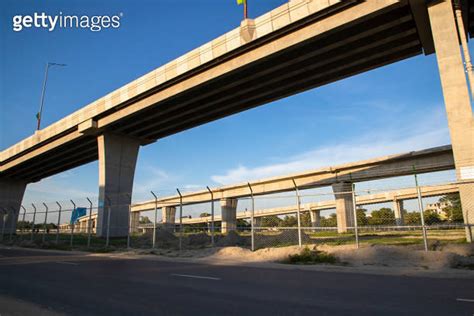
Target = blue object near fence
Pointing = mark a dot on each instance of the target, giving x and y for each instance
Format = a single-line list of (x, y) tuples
[(76, 213)]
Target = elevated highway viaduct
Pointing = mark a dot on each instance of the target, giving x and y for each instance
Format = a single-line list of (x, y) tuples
[(397, 197), (300, 45), (339, 177)]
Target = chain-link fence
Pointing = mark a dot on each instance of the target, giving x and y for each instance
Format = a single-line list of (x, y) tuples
[(421, 215)]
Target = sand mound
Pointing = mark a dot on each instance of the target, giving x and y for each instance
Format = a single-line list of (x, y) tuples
[(382, 256), (395, 257), (238, 254)]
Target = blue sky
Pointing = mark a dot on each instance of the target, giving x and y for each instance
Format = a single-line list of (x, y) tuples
[(393, 109)]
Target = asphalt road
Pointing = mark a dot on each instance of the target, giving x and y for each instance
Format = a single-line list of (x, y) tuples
[(33, 283)]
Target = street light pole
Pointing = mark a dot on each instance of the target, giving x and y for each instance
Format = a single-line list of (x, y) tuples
[(246, 10), (43, 91), (244, 3)]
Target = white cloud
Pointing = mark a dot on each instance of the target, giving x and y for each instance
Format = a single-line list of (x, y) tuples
[(154, 178), (52, 189), (431, 133)]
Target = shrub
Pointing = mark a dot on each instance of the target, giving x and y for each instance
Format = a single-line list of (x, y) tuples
[(308, 256)]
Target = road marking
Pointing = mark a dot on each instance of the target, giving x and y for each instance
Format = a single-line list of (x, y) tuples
[(196, 276), (465, 300), (65, 262)]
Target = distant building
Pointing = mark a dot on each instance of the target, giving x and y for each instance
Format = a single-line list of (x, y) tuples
[(439, 208)]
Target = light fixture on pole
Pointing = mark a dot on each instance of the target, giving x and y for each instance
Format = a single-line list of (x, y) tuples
[(43, 91)]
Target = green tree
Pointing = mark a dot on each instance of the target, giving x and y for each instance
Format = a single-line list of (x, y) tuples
[(144, 220), (362, 217), (329, 222), (24, 225), (289, 221), (243, 223), (205, 214), (51, 226), (431, 217), (412, 218), (456, 215), (453, 210), (305, 219), (271, 221), (384, 216)]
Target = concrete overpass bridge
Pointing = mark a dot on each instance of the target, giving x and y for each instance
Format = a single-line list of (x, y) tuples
[(229, 214), (301, 45), (340, 177), (397, 197)]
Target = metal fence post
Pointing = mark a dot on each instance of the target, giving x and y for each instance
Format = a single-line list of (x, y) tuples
[(45, 222), (107, 237), (154, 221), (356, 225), (59, 222), (298, 215), (72, 225), (252, 215), (89, 226), (212, 215), (420, 208), (34, 219), (180, 219), (23, 220), (469, 228), (129, 222), (12, 227)]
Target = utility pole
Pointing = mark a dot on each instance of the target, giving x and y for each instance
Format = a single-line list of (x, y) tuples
[(43, 91), (244, 2)]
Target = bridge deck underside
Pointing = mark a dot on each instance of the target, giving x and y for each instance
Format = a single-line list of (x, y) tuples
[(367, 43), (470, 22)]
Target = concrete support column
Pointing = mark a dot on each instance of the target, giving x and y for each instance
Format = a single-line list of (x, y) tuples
[(457, 101), (398, 210), (257, 222), (344, 206), (11, 195), (169, 217), (229, 215), (117, 160), (134, 221), (315, 218)]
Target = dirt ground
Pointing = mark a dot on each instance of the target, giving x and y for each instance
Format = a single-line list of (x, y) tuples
[(456, 258)]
